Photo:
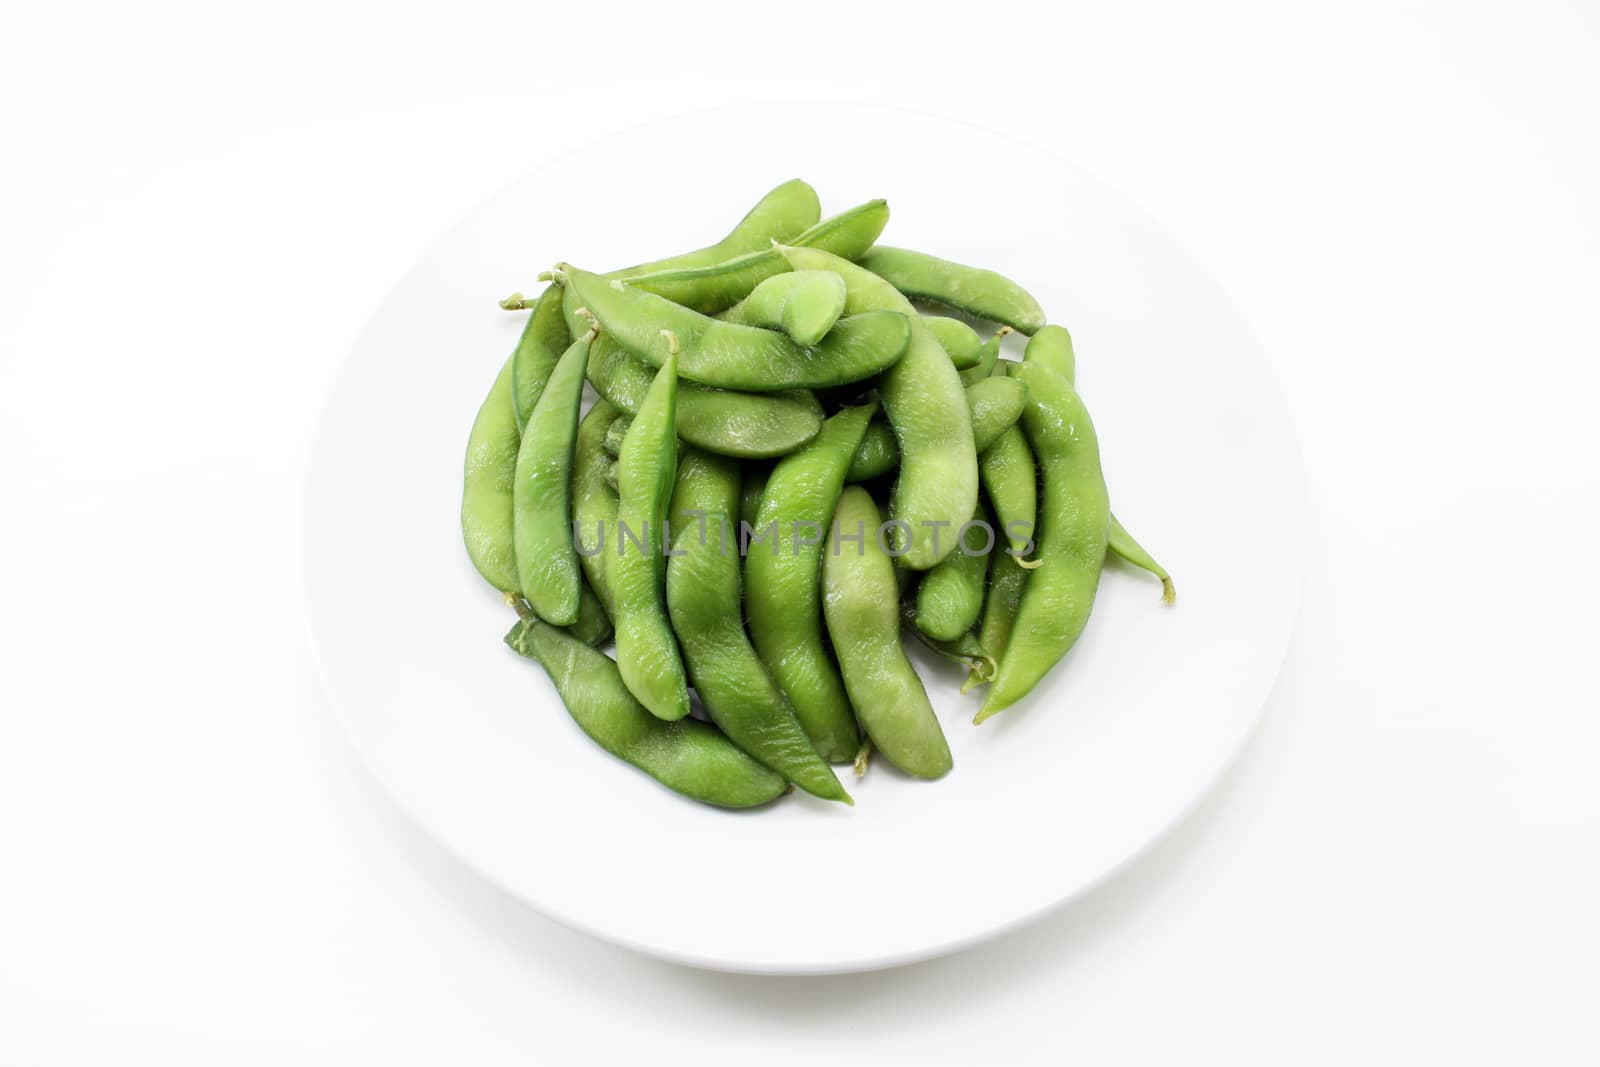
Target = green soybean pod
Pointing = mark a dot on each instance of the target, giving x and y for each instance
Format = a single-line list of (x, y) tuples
[(1052, 347), (988, 360), (714, 288), (593, 625), (860, 604), (647, 652), (803, 304), (688, 757), (876, 456), (743, 425), (964, 649), (1074, 520), (615, 435), (950, 598), (926, 406), (781, 215), (1007, 577), (488, 480), (547, 564), (703, 600), (996, 405), (1011, 478), (543, 340), (730, 356), (781, 590), (993, 407), (1123, 544), (594, 502), (960, 341), (971, 289)]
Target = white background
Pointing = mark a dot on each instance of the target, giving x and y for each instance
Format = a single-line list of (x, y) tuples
[(199, 206)]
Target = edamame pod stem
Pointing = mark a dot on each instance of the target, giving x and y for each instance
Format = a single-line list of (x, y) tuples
[(543, 340), (964, 650), (1007, 576), (744, 425), (487, 484), (729, 356), (781, 581), (950, 597), (781, 215), (862, 610), (1052, 347), (994, 409), (971, 289), (960, 341), (547, 564), (1123, 544), (803, 304), (594, 502), (647, 652), (1074, 519), (688, 757), (925, 404), (703, 600), (718, 287)]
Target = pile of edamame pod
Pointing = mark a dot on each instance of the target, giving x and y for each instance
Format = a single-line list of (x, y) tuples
[(801, 450)]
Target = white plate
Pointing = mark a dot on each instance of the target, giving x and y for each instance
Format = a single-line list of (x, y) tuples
[(1045, 800)]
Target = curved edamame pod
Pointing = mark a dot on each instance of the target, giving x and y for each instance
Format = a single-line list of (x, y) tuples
[(1123, 544), (547, 563), (950, 598), (487, 482), (923, 399), (647, 652), (594, 502), (543, 340), (994, 409), (781, 590), (744, 425), (862, 610), (687, 757), (592, 625), (876, 456), (1011, 479), (996, 405), (730, 356), (971, 289), (783, 214), (703, 600), (1007, 576), (714, 288), (988, 360), (1052, 347), (960, 341), (1074, 520), (803, 304), (616, 433)]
